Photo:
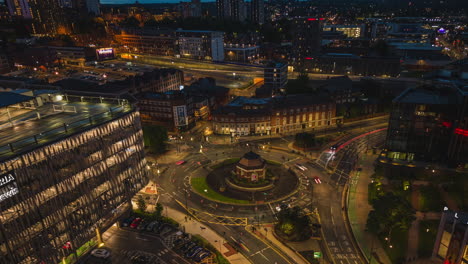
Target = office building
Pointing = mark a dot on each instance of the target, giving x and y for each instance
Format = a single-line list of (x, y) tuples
[(278, 115), (154, 42), (345, 63), (275, 75), (173, 110), (200, 44), (241, 53), (62, 185), (307, 39), (451, 244), (429, 123), (350, 31), (257, 8)]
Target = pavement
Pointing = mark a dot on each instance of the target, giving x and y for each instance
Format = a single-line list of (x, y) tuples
[(358, 209)]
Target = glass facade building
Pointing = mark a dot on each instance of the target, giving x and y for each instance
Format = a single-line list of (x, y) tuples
[(58, 192)]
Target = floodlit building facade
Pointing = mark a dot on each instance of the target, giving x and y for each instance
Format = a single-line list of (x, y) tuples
[(62, 185)]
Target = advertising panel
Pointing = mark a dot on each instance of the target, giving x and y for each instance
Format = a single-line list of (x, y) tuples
[(105, 54), (180, 115), (8, 187)]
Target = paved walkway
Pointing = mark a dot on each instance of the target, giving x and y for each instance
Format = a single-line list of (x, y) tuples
[(358, 210), (196, 228)]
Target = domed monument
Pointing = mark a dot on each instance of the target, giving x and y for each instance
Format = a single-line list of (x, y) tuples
[(251, 167)]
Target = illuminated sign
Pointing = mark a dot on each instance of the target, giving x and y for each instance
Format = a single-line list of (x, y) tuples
[(105, 53), (316, 19), (180, 115), (8, 187), (462, 132), (6, 179)]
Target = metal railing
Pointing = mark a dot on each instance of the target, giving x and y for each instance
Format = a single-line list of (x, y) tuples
[(65, 129)]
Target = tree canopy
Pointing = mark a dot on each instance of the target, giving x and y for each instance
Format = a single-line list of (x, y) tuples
[(155, 138), (293, 224), (390, 211)]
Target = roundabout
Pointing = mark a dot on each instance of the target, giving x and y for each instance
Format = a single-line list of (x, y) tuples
[(250, 180)]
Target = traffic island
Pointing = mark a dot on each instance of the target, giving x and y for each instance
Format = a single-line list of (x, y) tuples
[(249, 180)]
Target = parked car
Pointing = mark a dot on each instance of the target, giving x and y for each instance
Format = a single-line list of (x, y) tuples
[(135, 222), (142, 225), (100, 253), (193, 252), (128, 221), (151, 225), (188, 246), (180, 162), (202, 255)]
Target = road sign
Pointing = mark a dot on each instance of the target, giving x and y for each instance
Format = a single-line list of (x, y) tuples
[(317, 255)]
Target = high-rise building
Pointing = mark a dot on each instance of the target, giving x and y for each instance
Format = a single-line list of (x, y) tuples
[(19, 8), (223, 9), (200, 44), (61, 186), (275, 75), (232, 10), (190, 9), (257, 11), (83, 6), (307, 40), (47, 15)]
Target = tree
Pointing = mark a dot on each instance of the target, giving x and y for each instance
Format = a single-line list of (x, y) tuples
[(155, 138), (389, 211), (305, 140), (141, 203), (158, 211), (293, 224)]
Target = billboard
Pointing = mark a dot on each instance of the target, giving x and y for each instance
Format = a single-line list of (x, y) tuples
[(180, 115), (8, 187), (105, 53)]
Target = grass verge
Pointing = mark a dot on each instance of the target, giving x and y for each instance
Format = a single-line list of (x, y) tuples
[(201, 187), (399, 243), (427, 237)]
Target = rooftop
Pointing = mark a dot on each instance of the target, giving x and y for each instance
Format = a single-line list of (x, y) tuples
[(241, 101), (428, 95), (23, 131), (12, 98)]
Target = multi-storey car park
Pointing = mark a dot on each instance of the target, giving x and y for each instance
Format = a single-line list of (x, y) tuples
[(68, 170)]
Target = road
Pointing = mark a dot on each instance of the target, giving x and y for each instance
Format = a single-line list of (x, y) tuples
[(329, 197), (172, 189), (228, 75), (175, 191)]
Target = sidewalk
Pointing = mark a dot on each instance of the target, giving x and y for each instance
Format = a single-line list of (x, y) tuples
[(358, 209), (195, 228)]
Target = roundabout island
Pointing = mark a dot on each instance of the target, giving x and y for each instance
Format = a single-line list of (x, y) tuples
[(248, 180)]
